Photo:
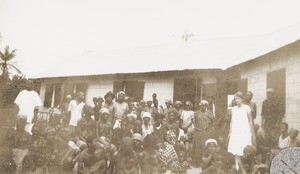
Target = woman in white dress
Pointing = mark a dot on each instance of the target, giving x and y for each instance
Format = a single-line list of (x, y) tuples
[(241, 129)]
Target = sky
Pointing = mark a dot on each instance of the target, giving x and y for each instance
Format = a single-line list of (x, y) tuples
[(48, 31)]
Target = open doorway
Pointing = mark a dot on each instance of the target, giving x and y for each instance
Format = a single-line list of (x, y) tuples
[(187, 90), (277, 80)]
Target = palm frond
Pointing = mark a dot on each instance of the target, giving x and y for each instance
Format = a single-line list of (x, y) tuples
[(1, 56), (7, 55), (15, 68)]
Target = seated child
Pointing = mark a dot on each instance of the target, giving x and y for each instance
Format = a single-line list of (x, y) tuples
[(217, 160), (149, 158), (262, 150), (125, 160), (137, 127), (293, 138), (92, 159), (249, 164), (183, 163), (120, 133), (138, 143), (21, 143), (283, 140)]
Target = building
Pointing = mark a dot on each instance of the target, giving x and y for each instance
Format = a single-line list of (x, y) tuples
[(173, 85), (249, 63), (279, 69)]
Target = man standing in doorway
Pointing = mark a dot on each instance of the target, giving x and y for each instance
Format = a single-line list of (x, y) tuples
[(28, 102), (252, 105), (211, 105), (271, 116)]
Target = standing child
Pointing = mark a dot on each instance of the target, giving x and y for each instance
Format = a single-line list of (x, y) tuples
[(187, 117), (120, 109), (104, 128), (86, 125), (96, 108)]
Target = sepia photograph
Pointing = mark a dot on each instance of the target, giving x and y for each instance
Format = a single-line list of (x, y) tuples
[(149, 87)]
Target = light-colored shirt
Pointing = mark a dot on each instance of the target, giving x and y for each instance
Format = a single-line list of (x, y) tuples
[(283, 143), (147, 129), (120, 109), (27, 101), (187, 117), (76, 112)]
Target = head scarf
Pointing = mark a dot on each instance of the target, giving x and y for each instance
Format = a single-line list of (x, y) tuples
[(178, 102), (147, 114), (188, 103), (104, 110), (271, 90), (168, 101), (118, 95), (203, 102), (210, 141), (137, 136), (171, 137)]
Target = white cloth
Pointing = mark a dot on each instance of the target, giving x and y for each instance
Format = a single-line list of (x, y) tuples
[(240, 135), (27, 101), (76, 112), (283, 143), (117, 124), (181, 134), (28, 128), (146, 130), (187, 117)]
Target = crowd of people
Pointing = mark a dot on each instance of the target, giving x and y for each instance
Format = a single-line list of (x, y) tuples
[(119, 136)]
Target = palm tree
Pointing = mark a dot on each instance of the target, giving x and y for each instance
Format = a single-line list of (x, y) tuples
[(5, 62)]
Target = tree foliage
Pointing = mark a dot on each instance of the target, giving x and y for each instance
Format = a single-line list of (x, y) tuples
[(9, 89)]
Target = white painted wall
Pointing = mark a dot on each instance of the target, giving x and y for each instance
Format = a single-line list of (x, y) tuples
[(289, 58), (97, 89), (164, 89), (43, 92)]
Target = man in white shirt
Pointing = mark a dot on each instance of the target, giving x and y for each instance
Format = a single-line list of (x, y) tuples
[(75, 109), (28, 102)]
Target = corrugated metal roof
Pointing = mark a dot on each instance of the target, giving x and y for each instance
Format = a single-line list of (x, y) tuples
[(204, 54)]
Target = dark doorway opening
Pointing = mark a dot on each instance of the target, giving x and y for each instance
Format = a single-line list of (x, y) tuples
[(277, 80), (133, 89), (187, 90)]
